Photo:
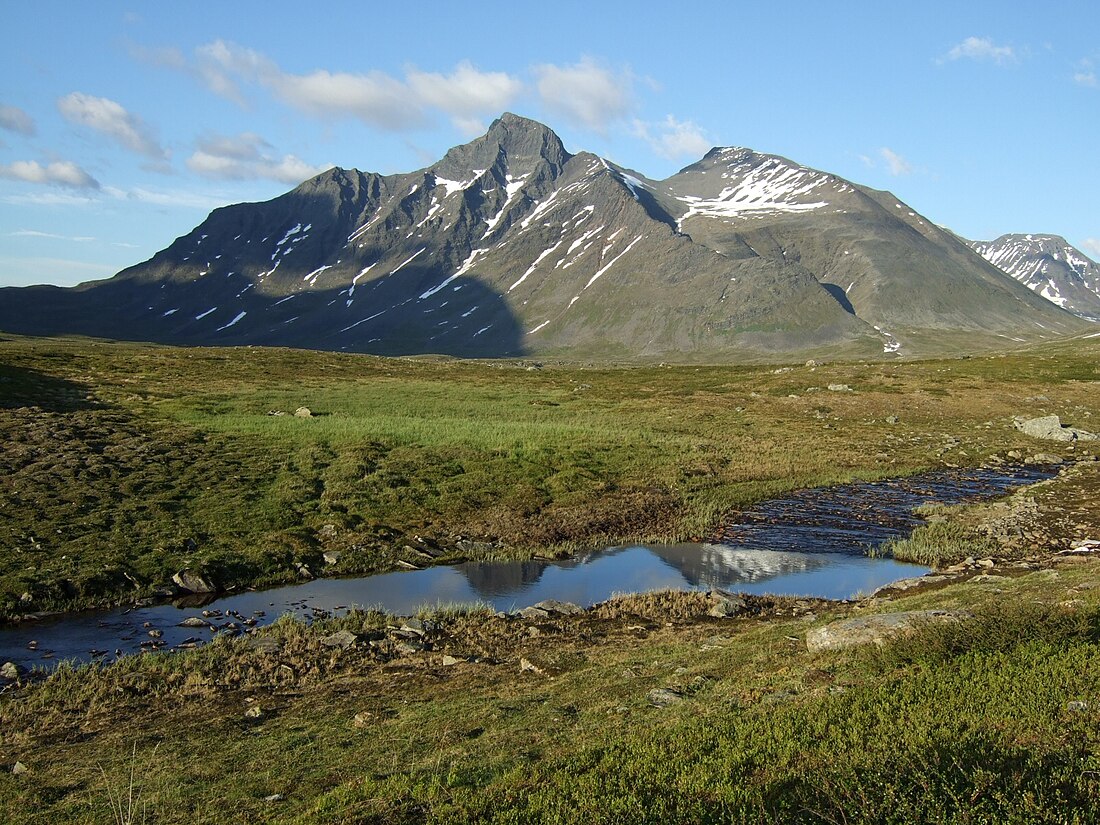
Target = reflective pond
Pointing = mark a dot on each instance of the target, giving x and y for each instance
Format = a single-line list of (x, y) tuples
[(765, 549)]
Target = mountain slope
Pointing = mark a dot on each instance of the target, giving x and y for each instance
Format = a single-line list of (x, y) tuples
[(511, 245), (1050, 266)]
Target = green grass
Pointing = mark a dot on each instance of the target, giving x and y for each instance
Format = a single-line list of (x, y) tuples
[(123, 463), (992, 719)]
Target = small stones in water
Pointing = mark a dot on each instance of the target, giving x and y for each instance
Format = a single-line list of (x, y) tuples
[(192, 621)]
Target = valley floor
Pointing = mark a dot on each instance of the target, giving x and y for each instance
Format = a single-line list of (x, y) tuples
[(122, 464), (643, 709)]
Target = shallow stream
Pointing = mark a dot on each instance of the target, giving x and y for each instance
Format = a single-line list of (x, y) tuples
[(811, 543)]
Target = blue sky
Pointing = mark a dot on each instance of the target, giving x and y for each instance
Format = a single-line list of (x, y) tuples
[(123, 124)]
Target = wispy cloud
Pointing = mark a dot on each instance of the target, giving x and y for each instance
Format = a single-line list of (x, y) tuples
[(466, 94), (111, 119), (14, 119), (1085, 74), (672, 138), (60, 173), (247, 156), (379, 99), (1092, 245), (981, 48), (895, 163), (587, 93), (34, 233)]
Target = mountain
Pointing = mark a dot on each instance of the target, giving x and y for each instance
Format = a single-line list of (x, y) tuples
[(510, 245), (1049, 265)]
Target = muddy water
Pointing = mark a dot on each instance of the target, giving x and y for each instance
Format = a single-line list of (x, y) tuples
[(811, 543)]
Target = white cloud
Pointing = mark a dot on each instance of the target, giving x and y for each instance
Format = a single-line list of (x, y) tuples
[(465, 93), (34, 233), (247, 157), (586, 93), (981, 48), (111, 119), (1092, 245), (1085, 74), (895, 162), (375, 97), (170, 198), (15, 119), (61, 173), (672, 138)]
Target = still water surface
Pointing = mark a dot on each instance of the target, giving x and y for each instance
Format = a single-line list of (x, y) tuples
[(810, 543), (584, 580)]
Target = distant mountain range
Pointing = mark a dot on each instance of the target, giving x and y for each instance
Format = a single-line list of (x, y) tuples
[(1049, 265), (510, 246)]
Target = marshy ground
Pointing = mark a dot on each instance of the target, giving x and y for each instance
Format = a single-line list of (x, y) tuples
[(125, 463)]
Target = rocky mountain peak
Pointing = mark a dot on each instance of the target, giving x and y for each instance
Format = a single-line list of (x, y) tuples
[(1050, 266)]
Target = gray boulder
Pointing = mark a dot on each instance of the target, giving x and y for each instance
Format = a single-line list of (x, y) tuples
[(11, 671), (874, 629), (193, 582), (663, 697), (342, 639), (561, 608), (1051, 428), (724, 605)]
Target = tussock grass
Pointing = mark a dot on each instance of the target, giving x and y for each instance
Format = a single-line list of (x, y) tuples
[(124, 463), (939, 544)]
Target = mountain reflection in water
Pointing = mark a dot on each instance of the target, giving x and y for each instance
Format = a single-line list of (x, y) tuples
[(506, 586)]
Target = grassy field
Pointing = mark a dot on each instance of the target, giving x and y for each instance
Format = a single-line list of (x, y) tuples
[(992, 719), (125, 463)]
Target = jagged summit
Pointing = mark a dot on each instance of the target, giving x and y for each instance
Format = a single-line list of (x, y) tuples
[(1050, 266), (512, 245)]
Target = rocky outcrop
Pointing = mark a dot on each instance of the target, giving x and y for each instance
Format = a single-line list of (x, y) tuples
[(874, 629), (1051, 428)]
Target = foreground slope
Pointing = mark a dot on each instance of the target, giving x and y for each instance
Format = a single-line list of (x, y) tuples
[(511, 245)]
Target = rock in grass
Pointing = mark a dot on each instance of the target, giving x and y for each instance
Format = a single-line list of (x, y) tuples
[(561, 608), (193, 582), (1051, 428), (342, 639), (303, 412), (724, 605), (533, 613), (663, 697), (19, 769), (11, 671), (254, 712), (874, 629)]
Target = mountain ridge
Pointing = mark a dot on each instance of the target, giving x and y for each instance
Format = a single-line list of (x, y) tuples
[(1049, 265), (512, 245)]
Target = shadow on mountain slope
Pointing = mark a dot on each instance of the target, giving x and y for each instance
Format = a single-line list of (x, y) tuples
[(379, 318)]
